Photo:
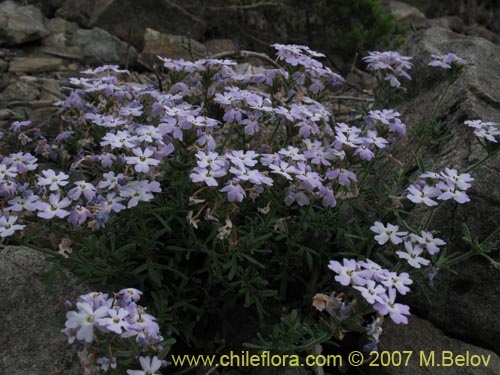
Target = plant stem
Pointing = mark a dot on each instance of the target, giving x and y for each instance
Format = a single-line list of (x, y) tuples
[(482, 161)]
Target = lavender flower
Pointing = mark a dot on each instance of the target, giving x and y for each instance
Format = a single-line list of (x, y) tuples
[(447, 61), (392, 63)]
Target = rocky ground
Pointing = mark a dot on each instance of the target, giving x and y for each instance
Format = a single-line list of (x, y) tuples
[(38, 54)]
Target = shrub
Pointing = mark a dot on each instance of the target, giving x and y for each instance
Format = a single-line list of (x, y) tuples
[(229, 196)]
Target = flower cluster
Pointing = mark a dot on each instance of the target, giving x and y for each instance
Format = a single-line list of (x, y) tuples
[(120, 316), (443, 186), (447, 61), (125, 134), (414, 244), (377, 285), (392, 63), (488, 131)]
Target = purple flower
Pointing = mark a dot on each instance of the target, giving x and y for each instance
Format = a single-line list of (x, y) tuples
[(423, 194), (82, 187), (23, 203), (392, 63), (371, 292), (430, 242), (55, 207), (142, 159), (8, 225), (17, 126), (447, 61), (412, 255), (399, 282), (235, 193), (79, 215), (347, 273), (63, 136), (52, 180), (398, 312), (149, 366), (140, 191), (386, 233), (115, 322), (83, 321)]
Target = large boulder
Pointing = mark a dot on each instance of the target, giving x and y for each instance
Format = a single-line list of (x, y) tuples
[(89, 46), (172, 46), (33, 315), (20, 24), (129, 19), (425, 342), (465, 304), (97, 46)]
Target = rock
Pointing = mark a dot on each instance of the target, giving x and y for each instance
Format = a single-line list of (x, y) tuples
[(51, 91), (4, 66), (215, 46), (6, 114), (61, 41), (128, 20), (20, 24), (88, 46), (85, 12), (482, 32), (32, 316), (453, 23), (420, 336), (35, 65), (402, 11), (20, 90), (172, 46), (99, 47), (465, 304)]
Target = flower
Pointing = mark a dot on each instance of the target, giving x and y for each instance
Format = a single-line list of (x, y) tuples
[(115, 322), (371, 291), (386, 233), (397, 311), (142, 160), (55, 207), (52, 180), (424, 194), (347, 273), (8, 226), (394, 64), (83, 321), (412, 255), (149, 366), (82, 187), (447, 61), (429, 241)]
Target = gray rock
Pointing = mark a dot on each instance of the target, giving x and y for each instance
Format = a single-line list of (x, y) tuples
[(465, 304), (20, 24), (85, 12), (453, 23), (128, 20), (482, 32), (422, 338), (172, 46), (4, 65), (99, 47), (401, 11), (20, 90), (33, 316), (35, 64)]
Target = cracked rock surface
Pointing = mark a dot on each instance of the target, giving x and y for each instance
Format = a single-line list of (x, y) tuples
[(466, 305), (32, 316)]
